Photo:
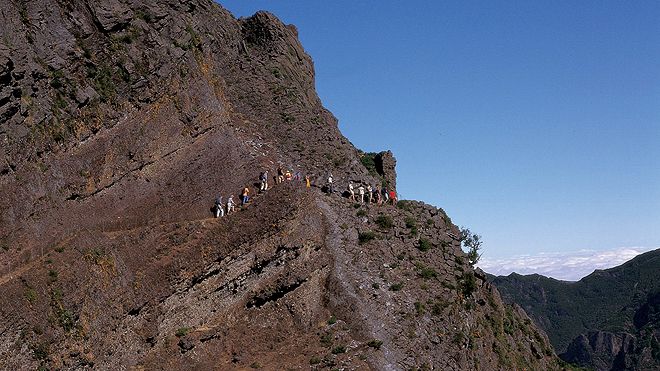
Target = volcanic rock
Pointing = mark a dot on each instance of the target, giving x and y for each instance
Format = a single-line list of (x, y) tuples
[(122, 121)]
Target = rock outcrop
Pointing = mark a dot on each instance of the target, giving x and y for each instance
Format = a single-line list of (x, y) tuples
[(121, 122), (601, 351), (386, 167)]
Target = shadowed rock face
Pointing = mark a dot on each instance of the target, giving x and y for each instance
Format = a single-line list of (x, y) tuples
[(121, 122), (601, 350), (386, 167)]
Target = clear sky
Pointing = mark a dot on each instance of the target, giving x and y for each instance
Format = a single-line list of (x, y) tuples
[(534, 123)]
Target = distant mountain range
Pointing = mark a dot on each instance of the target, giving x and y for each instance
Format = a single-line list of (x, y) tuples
[(609, 320)]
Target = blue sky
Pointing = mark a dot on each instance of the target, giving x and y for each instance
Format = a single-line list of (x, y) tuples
[(535, 124)]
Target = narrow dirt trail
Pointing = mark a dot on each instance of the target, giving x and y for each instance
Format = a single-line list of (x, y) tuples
[(31, 264), (15, 273), (345, 277), (18, 272)]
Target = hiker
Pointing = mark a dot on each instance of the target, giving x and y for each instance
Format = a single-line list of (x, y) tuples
[(287, 176), (377, 198), (264, 181), (393, 197), (386, 195), (230, 204), (351, 191), (297, 176), (280, 175), (308, 184), (361, 193), (245, 196), (330, 189), (219, 210), (370, 192)]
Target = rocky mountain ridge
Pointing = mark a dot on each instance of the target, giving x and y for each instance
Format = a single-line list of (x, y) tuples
[(121, 122), (606, 321)]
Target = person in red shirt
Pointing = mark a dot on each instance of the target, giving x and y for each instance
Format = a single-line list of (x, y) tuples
[(393, 197)]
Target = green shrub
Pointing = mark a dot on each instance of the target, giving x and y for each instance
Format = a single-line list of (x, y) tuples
[(4, 246), (57, 294), (375, 285), (339, 349), (361, 213), (368, 160), (427, 273), (326, 339), (102, 82), (41, 351), (424, 244), (182, 331), (56, 81), (195, 40), (364, 237), (437, 308), (472, 243), (66, 319), (508, 326), (53, 275), (419, 308), (30, 295), (468, 284), (459, 338), (396, 287), (145, 16), (410, 222), (405, 205), (385, 221), (332, 320), (276, 72), (287, 118), (375, 343), (23, 14), (446, 219), (314, 360)]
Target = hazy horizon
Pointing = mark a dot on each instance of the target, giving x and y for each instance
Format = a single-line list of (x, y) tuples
[(562, 266)]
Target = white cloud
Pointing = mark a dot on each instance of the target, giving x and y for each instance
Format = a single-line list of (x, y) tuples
[(569, 266)]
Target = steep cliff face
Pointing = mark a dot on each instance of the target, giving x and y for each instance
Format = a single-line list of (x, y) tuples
[(122, 120)]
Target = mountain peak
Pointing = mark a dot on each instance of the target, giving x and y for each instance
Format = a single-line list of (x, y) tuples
[(124, 120)]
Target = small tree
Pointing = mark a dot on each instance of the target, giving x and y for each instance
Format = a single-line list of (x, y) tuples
[(472, 243)]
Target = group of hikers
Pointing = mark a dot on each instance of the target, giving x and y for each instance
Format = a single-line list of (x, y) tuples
[(221, 209), (373, 195), (376, 195), (281, 176)]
